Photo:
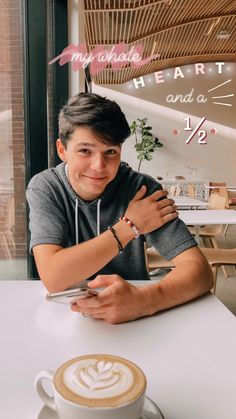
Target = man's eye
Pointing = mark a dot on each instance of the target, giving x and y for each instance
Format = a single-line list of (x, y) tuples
[(84, 151), (111, 152)]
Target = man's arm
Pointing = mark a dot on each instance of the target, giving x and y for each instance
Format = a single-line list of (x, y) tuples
[(121, 302), (61, 268), (191, 277)]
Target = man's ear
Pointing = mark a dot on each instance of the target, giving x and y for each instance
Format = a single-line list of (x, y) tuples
[(61, 150)]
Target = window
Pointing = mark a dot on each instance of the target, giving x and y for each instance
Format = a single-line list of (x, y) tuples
[(31, 93), (13, 240)]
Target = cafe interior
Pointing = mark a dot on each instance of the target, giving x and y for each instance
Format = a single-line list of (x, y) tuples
[(182, 88)]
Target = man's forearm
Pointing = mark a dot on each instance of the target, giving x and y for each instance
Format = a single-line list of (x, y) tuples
[(185, 282), (69, 266)]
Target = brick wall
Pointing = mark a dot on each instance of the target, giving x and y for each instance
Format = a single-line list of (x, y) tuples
[(12, 149)]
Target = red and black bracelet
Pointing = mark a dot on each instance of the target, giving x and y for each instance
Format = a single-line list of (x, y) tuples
[(132, 225)]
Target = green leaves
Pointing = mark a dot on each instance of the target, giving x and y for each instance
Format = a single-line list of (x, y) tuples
[(146, 143)]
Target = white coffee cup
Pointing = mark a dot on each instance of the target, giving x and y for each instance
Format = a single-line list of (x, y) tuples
[(96, 386)]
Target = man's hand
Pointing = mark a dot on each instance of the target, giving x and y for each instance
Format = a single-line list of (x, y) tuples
[(118, 302), (149, 213)]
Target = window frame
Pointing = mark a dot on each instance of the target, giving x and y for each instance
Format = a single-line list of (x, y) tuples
[(35, 88)]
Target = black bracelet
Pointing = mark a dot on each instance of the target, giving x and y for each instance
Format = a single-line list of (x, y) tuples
[(113, 231)]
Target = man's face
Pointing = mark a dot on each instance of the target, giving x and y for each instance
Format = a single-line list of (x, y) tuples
[(91, 163)]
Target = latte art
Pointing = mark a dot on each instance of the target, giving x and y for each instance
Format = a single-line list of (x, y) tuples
[(97, 379), (100, 380)]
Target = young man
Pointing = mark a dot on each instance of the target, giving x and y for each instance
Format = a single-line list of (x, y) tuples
[(90, 216)]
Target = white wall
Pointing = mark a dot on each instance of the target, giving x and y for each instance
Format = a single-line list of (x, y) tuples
[(215, 161)]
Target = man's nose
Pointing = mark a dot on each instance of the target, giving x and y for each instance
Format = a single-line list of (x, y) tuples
[(98, 162)]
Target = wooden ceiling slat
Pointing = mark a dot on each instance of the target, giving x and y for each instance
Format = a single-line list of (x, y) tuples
[(92, 26), (124, 37), (100, 40), (116, 26), (135, 23), (141, 21), (147, 22), (166, 44)]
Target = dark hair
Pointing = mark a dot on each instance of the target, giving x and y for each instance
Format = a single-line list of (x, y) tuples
[(98, 113)]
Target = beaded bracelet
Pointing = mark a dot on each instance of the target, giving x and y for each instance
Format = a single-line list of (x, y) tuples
[(120, 247), (132, 225)]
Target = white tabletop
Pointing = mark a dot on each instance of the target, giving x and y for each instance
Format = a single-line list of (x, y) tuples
[(187, 353), (188, 202), (199, 217)]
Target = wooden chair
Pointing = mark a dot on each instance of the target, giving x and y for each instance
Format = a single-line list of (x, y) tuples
[(191, 190), (219, 257), (220, 188), (209, 233), (172, 190), (155, 261)]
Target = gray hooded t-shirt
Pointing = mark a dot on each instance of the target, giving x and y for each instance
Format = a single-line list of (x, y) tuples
[(59, 216)]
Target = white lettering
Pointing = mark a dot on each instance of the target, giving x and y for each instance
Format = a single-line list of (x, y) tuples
[(188, 98), (136, 57), (178, 73), (202, 135), (159, 77), (170, 99), (82, 57), (180, 98), (133, 55), (111, 55), (199, 68), (219, 65), (102, 57), (201, 99), (121, 57), (138, 82)]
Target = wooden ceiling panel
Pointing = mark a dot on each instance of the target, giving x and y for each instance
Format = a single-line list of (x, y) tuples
[(181, 31)]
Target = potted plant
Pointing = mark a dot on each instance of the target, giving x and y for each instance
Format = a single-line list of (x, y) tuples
[(145, 141)]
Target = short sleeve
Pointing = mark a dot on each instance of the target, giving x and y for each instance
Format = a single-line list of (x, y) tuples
[(171, 239), (47, 223)]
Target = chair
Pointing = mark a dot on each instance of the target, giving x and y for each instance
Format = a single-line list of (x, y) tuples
[(210, 232), (217, 258), (220, 188), (191, 190), (156, 261), (172, 190)]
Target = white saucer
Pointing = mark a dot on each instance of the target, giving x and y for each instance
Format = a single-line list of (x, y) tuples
[(150, 411)]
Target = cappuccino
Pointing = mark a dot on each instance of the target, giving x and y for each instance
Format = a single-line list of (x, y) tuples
[(99, 381)]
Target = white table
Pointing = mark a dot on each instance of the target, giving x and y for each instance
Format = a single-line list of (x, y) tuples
[(183, 201), (228, 188), (198, 217), (206, 217), (187, 353)]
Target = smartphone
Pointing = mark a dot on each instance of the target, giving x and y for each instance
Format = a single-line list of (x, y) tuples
[(71, 296)]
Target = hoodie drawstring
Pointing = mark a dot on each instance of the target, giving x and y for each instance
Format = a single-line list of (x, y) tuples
[(76, 222), (98, 216)]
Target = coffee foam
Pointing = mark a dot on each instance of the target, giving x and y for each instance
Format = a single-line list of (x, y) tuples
[(100, 380)]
